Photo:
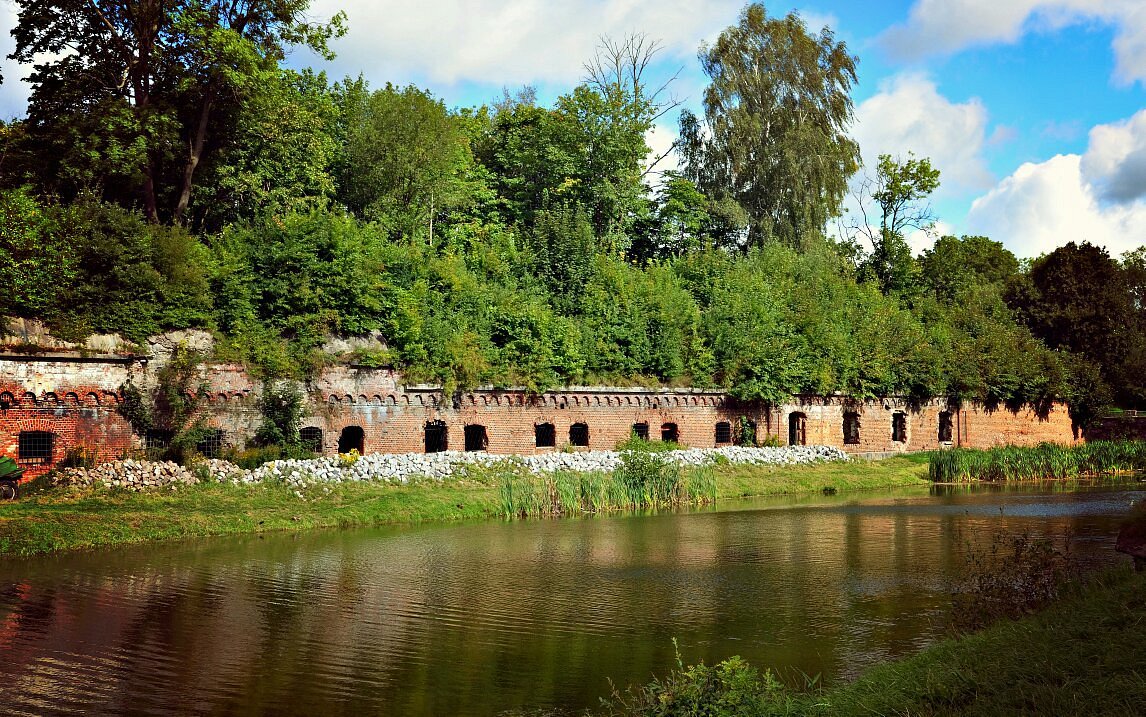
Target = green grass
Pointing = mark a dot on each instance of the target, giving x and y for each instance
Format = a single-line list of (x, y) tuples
[(62, 520), (1084, 655), (1046, 460)]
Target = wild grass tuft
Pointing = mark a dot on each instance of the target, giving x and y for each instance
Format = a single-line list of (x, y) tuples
[(1046, 460)]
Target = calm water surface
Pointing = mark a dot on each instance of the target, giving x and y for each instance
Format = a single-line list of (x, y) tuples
[(476, 619)]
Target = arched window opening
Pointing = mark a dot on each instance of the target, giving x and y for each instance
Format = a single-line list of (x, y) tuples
[(352, 438), (797, 429), (311, 438), (669, 433), (437, 438), (476, 438), (899, 427), (851, 428), (545, 435), (641, 431), (579, 434), (36, 448), (723, 432), (946, 427)]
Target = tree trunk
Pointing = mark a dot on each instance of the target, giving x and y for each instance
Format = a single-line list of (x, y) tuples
[(196, 153)]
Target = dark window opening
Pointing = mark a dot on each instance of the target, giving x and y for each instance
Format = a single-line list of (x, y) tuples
[(946, 427), (545, 435), (35, 448), (797, 429), (352, 438), (437, 438), (669, 433), (211, 446), (899, 427), (311, 438), (579, 434), (157, 439), (724, 432), (641, 431), (476, 438), (851, 429)]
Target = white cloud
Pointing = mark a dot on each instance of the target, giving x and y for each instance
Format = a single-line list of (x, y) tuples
[(509, 42), (13, 93), (909, 114), (936, 27), (1098, 197), (660, 140), (1115, 161)]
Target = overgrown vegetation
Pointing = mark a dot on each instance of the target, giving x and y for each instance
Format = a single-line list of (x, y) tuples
[(1046, 460), (169, 417), (516, 243)]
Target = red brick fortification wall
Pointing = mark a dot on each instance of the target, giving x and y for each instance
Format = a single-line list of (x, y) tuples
[(396, 422), (972, 426), (76, 399)]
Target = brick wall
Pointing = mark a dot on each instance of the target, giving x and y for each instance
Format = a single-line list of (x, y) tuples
[(76, 399)]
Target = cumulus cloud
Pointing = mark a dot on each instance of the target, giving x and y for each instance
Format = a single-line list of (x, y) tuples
[(1115, 160), (908, 114), (1099, 196), (936, 27), (509, 41)]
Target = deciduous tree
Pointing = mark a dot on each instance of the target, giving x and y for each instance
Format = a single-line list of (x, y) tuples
[(775, 118)]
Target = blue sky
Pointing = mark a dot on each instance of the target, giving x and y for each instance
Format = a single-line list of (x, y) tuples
[(1033, 110)]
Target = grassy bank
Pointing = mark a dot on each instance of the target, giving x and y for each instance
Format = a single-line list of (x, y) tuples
[(1046, 460), (1083, 655), (64, 520)]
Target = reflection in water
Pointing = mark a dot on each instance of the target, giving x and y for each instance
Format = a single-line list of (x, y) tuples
[(474, 619)]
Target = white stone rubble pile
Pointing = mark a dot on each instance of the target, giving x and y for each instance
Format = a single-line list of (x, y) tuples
[(129, 474), (400, 468)]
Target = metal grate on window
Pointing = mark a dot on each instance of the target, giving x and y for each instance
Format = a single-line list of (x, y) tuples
[(212, 444), (311, 438), (724, 432), (641, 431), (545, 435), (579, 434), (36, 447)]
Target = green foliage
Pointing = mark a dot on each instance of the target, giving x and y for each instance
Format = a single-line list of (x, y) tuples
[(1044, 461), (731, 688), (900, 190), (407, 158), (251, 458), (36, 259), (281, 406), (146, 94), (176, 404)]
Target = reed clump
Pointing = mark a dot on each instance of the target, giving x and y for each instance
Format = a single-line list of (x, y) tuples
[(644, 480), (1044, 461)]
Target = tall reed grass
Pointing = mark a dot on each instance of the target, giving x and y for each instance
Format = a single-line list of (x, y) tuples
[(1046, 460), (644, 480)]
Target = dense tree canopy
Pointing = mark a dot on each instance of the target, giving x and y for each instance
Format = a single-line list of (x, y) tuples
[(170, 173)]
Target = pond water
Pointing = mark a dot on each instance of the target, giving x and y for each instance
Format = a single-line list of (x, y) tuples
[(475, 619)]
